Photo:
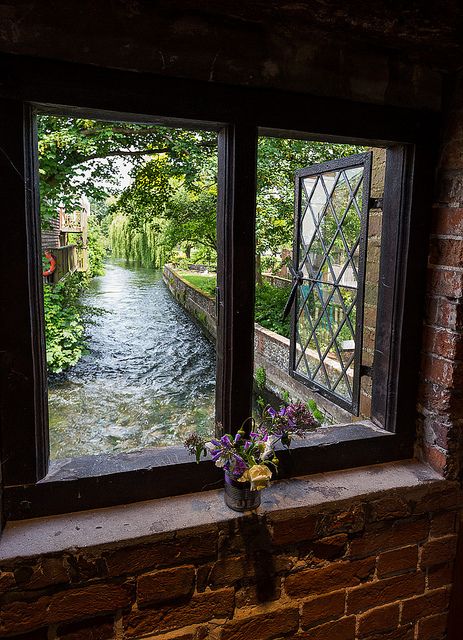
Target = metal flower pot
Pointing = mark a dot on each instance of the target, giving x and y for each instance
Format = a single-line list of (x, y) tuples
[(239, 496)]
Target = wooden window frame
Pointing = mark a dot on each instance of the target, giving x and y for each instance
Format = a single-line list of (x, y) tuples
[(32, 488)]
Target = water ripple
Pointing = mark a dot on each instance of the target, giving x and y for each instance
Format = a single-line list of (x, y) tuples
[(148, 379)]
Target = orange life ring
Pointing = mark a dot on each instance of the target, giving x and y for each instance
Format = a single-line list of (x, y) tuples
[(52, 260)]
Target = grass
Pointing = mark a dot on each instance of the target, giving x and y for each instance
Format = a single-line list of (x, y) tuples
[(206, 283), (270, 301)]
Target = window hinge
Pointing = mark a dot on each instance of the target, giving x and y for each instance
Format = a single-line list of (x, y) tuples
[(376, 203), (366, 371)]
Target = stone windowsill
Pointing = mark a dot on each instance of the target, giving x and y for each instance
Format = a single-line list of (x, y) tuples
[(163, 518)]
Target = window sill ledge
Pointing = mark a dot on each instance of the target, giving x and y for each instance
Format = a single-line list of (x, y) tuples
[(94, 482), (143, 522)]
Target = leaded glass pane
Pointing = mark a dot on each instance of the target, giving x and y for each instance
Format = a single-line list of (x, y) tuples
[(329, 258)]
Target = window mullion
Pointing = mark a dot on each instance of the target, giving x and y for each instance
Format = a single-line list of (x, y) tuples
[(24, 434), (236, 246)]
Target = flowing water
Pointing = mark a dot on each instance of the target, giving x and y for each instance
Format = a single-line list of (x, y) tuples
[(149, 376)]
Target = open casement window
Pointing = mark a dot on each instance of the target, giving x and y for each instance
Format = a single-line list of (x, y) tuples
[(331, 226)]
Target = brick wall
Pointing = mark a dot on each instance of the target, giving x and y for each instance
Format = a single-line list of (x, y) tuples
[(441, 396), (352, 569)]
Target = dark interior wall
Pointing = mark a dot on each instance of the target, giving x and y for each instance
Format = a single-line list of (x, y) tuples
[(361, 51)]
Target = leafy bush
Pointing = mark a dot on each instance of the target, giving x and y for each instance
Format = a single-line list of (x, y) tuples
[(270, 303), (64, 326), (260, 376)]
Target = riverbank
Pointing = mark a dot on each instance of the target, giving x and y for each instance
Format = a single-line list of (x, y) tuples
[(271, 350)]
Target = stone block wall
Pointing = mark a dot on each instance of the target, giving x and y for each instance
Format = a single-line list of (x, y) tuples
[(271, 351), (357, 569)]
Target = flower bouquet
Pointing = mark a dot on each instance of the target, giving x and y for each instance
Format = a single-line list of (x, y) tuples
[(249, 458)]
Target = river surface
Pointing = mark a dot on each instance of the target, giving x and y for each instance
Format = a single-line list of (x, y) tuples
[(149, 376)]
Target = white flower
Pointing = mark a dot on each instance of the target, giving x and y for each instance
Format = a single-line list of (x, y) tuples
[(268, 451), (260, 476)]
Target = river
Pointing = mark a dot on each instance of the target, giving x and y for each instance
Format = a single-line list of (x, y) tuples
[(149, 376)]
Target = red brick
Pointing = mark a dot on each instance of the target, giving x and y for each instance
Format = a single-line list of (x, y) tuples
[(440, 399), (7, 581), (251, 595), (435, 430), (443, 524), (323, 608), (449, 497), (448, 222), (389, 508), (164, 585), (64, 606), (47, 572), (397, 561), (444, 313), (343, 629), (265, 626), (378, 620), (402, 633), (443, 342), (95, 629), (439, 576), (447, 252), (398, 534), (230, 570), (435, 457), (445, 282), (425, 605), (330, 578), (442, 371), (367, 596), (439, 551), (201, 608), (432, 628), (166, 552), (350, 521), (37, 634), (294, 530), (330, 547)]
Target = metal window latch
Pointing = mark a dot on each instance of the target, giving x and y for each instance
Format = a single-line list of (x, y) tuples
[(366, 371), (298, 279), (375, 203)]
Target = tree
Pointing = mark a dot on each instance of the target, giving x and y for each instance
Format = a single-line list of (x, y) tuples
[(72, 150), (278, 159)]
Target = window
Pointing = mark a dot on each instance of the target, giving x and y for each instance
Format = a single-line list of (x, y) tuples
[(31, 486), (332, 204)]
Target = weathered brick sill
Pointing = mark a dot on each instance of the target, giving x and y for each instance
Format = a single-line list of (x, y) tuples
[(346, 555), (156, 519)]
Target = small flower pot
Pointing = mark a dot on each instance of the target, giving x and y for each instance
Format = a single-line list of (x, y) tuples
[(239, 496)]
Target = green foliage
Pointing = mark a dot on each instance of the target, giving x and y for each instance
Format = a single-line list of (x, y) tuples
[(64, 325), (97, 249), (270, 303), (71, 151), (317, 414), (260, 376), (277, 160), (141, 245)]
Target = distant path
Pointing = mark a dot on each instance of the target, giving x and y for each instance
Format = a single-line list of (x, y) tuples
[(148, 379)]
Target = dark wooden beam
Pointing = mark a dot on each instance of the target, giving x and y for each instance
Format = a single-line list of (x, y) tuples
[(24, 428), (235, 275)]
